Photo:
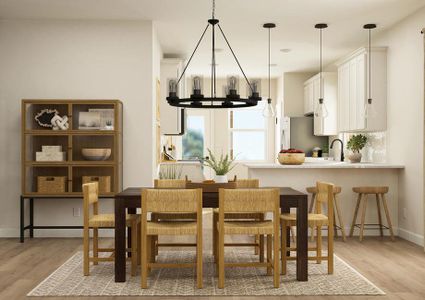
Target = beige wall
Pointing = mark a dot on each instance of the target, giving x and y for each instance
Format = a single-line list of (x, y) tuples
[(293, 93), (74, 60), (405, 114)]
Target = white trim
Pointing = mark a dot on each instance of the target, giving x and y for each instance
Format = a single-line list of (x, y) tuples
[(411, 236)]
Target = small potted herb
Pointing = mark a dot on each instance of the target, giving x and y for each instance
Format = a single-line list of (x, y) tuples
[(356, 143), (221, 166)]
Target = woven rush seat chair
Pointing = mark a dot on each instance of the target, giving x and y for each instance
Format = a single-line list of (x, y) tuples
[(337, 211), (250, 201), (93, 220), (257, 243), (324, 196), (188, 201)]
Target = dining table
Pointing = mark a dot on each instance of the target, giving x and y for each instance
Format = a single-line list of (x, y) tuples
[(129, 200)]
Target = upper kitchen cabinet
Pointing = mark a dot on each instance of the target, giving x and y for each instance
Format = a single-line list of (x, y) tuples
[(170, 116), (328, 125), (353, 90)]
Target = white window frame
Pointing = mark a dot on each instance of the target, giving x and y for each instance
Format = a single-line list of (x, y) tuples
[(258, 108)]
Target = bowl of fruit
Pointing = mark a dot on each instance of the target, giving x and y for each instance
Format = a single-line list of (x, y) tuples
[(291, 157)]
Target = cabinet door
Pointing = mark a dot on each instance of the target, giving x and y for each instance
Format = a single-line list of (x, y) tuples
[(360, 121), (344, 97), (308, 99), (316, 93)]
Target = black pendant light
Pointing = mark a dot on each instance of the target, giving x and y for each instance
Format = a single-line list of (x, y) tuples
[(197, 99), (369, 110), (321, 111), (269, 111)]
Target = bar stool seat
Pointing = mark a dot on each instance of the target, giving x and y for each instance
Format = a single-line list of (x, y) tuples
[(379, 192), (336, 190)]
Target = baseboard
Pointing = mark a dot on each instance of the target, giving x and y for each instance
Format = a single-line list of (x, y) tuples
[(411, 236)]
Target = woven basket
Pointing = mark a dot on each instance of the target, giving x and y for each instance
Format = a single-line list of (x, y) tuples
[(104, 182), (51, 184)]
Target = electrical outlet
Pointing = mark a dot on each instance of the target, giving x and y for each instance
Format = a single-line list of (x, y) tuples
[(76, 212), (404, 213)]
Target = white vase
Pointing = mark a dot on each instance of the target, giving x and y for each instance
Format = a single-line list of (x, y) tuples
[(220, 179)]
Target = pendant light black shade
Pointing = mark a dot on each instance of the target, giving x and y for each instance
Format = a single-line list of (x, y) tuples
[(320, 109), (369, 110), (197, 98)]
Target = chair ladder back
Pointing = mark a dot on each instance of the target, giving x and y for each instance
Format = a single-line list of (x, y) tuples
[(325, 195), (90, 198), (171, 200), (247, 200)]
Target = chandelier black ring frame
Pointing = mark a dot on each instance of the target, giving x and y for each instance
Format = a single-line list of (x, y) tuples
[(197, 100)]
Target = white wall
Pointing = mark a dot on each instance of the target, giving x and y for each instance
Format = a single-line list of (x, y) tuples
[(75, 60), (405, 114)]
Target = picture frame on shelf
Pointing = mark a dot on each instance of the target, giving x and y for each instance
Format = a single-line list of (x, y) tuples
[(106, 117), (89, 120)]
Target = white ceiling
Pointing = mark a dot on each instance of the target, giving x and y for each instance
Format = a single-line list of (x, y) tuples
[(179, 24)]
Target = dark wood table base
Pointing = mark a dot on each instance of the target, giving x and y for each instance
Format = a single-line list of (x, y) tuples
[(130, 199)]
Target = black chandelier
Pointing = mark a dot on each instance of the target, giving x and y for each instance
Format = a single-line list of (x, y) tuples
[(197, 99)]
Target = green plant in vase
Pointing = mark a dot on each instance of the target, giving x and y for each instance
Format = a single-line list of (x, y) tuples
[(221, 166), (356, 143)]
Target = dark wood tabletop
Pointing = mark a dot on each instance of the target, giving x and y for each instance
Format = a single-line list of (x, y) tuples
[(129, 200)]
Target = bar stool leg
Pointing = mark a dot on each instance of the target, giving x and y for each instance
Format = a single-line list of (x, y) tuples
[(95, 245), (379, 215), (335, 228), (341, 221), (387, 213), (364, 203), (319, 244), (283, 247), (359, 197)]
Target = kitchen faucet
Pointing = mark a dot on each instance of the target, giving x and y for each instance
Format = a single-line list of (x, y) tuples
[(342, 147)]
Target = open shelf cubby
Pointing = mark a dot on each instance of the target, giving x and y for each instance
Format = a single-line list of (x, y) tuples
[(104, 132)]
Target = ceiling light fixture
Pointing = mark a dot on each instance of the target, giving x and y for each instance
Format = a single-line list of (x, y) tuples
[(197, 99), (269, 111), (321, 111), (369, 110)]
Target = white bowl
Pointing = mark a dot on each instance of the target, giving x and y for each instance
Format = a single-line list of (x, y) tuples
[(96, 153)]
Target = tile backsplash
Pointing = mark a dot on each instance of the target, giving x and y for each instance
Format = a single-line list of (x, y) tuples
[(375, 149)]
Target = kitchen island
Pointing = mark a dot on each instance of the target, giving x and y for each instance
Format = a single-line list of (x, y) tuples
[(344, 174)]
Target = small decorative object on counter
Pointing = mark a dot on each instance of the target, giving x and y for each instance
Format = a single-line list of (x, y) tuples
[(356, 143), (50, 153), (291, 157), (221, 166), (325, 150), (317, 152), (170, 171), (50, 118)]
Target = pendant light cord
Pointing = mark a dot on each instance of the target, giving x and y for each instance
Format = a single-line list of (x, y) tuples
[(370, 64), (321, 64), (269, 54), (213, 9)]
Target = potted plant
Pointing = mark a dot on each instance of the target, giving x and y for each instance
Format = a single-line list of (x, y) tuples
[(221, 166), (356, 143)]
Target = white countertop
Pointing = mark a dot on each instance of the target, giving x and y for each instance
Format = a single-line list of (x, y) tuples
[(325, 165)]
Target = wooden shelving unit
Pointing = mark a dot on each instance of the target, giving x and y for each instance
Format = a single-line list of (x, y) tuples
[(72, 141)]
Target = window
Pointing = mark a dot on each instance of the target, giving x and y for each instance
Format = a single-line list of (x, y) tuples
[(193, 139), (248, 134)]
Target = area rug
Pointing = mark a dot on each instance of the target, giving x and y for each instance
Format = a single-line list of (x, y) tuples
[(68, 280)]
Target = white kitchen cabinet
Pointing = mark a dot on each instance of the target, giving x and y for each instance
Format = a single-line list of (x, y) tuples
[(353, 91), (328, 125), (170, 116)]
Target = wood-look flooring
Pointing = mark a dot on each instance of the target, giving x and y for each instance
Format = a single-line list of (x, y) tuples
[(397, 267)]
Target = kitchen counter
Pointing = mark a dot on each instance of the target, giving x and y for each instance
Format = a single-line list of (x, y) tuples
[(326, 165), (343, 174)]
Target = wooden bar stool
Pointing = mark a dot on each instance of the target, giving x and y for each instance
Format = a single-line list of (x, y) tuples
[(379, 192), (337, 211)]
